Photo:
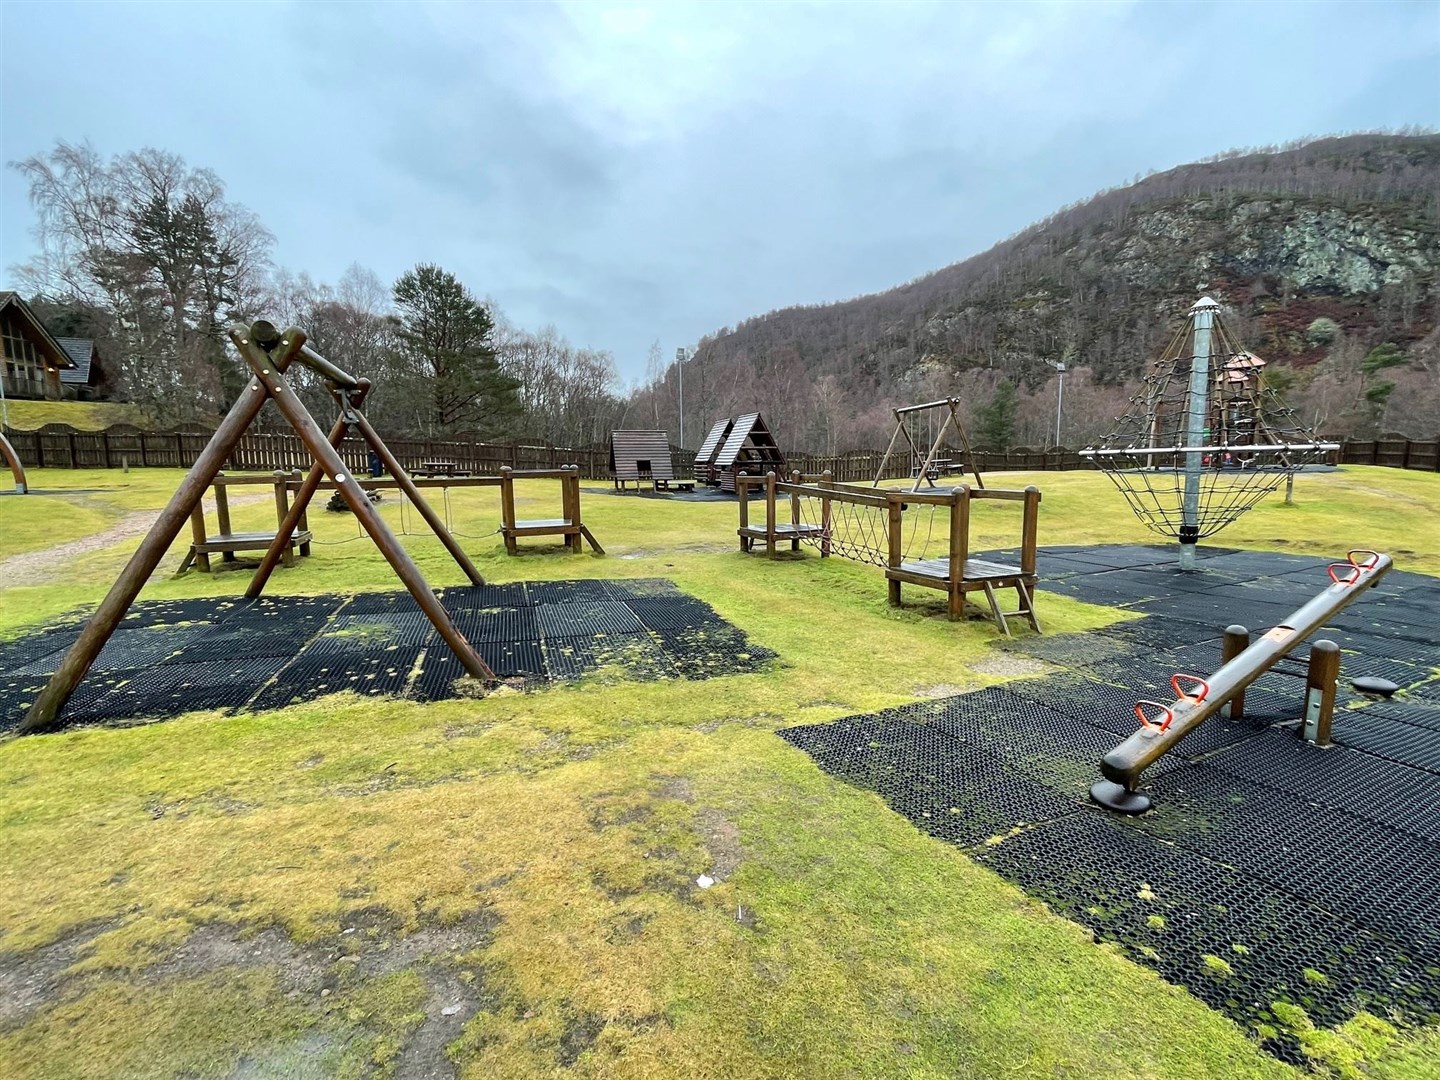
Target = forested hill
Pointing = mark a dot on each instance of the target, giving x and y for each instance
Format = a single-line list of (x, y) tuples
[(1342, 229)]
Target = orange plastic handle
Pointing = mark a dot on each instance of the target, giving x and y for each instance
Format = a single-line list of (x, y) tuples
[(1368, 563), (1352, 573), (1181, 694), (1154, 725)]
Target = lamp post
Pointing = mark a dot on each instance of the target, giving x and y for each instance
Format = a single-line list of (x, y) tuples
[(680, 363), (1058, 365)]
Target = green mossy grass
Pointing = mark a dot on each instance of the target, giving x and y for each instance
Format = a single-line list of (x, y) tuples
[(836, 940)]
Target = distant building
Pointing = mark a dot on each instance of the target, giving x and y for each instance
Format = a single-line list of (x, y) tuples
[(87, 380), (41, 366), (33, 358)]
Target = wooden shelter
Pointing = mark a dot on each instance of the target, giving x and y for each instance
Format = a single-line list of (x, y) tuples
[(751, 449), (643, 457), (705, 457)]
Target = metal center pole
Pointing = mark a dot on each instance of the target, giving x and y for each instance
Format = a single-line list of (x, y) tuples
[(1203, 314)]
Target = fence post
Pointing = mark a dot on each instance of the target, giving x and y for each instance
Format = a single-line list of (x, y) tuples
[(770, 514), (826, 479), (742, 490), (893, 528)]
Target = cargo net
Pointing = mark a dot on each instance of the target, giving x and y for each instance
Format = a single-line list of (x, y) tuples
[(1251, 442), (857, 526)]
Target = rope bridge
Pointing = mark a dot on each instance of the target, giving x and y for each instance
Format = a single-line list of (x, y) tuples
[(920, 538)]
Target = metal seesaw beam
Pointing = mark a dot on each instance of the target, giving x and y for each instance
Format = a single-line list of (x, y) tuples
[(1162, 726)]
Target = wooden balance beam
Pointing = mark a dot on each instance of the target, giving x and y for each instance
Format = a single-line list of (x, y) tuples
[(227, 543), (568, 525), (1162, 726), (957, 575)]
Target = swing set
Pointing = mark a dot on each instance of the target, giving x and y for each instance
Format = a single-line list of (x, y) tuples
[(269, 352), (927, 466)]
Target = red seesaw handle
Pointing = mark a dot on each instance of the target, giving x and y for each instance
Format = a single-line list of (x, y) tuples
[(1154, 725), (1368, 563), (1182, 695), (1352, 574)]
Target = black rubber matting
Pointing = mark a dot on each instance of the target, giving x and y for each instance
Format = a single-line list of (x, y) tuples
[(1270, 871), (171, 657)]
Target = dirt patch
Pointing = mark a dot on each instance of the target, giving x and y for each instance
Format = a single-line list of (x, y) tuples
[(722, 841), (1008, 665), (451, 1004), (579, 1035), (709, 727), (48, 564), (30, 980), (214, 946), (678, 788)]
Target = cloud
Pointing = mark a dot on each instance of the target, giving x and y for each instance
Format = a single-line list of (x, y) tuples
[(629, 172)]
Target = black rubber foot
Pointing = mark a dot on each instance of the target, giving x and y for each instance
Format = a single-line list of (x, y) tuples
[(1370, 684), (1116, 797)]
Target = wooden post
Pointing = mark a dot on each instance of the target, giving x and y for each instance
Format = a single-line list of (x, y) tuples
[(1030, 531), (959, 548), (70, 448), (570, 505), (826, 479), (507, 508), (893, 529), (197, 536), (282, 510), (1234, 642), (105, 447), (770, 514), (222, 513), (1321, 676), (742, 491)]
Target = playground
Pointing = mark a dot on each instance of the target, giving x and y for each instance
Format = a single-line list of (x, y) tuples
[(854, 839)]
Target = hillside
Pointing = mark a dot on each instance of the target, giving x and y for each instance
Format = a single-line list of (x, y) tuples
[(1345, 229)]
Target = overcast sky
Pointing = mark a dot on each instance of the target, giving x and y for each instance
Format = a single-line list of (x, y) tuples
[(633, 172)]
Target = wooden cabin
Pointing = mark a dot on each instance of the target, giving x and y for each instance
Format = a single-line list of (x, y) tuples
[(32, 358), (705, 457), (643, 457), (749, 448)]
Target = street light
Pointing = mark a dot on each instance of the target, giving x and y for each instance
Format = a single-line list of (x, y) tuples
[(680, 363), (1059, 396)]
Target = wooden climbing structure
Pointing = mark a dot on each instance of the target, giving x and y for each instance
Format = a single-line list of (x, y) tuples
[(917, 538), (749, 448), (705, 472)]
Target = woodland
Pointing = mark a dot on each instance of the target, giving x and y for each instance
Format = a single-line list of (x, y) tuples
[(1325, 255)]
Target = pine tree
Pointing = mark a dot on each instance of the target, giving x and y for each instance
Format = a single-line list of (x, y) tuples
[(995, 421), (444, 339)]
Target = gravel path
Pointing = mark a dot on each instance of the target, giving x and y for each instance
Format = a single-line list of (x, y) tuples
[(47, 564)]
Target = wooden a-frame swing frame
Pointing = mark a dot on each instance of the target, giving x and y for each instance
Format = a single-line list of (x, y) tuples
[(268, 353), (952, 419)]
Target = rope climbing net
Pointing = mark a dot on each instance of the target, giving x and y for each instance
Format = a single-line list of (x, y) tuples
[(856, 525), (1217, 437)]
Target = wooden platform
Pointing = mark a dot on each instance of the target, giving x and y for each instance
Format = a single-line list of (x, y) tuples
[(227, 544), (975, 569), (782, 531)]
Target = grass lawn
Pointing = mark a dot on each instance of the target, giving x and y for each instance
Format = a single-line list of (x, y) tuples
[(306, 892), (81, 415)]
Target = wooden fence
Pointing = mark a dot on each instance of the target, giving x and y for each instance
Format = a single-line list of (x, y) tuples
[(1393, 451), (61, 446)]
